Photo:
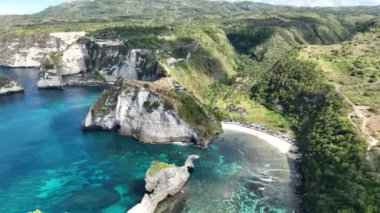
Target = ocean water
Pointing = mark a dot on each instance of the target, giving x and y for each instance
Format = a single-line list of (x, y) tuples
[(48, 163)]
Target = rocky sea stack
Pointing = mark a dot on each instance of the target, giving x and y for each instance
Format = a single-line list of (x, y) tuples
[(163, 180), (152, 112), (8, 86)]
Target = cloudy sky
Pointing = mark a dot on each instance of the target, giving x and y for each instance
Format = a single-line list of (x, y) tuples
[(32, 6)]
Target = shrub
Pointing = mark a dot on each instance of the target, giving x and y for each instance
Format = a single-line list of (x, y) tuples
[(168, 105), (150, 107)]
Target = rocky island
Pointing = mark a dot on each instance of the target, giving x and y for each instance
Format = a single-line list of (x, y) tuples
[(152, 112), (8, 86), (163, 180)]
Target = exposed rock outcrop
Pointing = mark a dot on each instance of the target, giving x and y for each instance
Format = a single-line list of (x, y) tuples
[(163, 180), (49, 79), (72, 54), (8, 86), (29, 50), (140, 110), (114, 59)]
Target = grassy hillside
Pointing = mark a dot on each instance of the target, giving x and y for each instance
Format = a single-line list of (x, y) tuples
[(288, 68), (333, 153), (208, 67), (266, 38), (353, 67)]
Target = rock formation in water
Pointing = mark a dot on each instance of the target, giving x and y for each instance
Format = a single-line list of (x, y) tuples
[(81, 59), (163, 180), (8, 86), (151, 112), (49, 79)]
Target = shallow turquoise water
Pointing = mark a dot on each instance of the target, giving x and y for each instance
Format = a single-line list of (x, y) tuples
[(48, 163)]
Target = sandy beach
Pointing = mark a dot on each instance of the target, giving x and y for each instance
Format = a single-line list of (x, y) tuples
[(282, 145)]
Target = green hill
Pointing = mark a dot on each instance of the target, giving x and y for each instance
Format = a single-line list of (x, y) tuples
[(275, 62)]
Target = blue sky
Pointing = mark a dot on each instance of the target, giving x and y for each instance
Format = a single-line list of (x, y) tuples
[(25, 6), (32, 6)]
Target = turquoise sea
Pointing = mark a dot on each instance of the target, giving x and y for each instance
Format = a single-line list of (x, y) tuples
[(48, 163)]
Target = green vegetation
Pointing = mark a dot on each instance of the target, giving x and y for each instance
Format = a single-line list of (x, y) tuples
[(52, 61), (353, 65), (4, 81), (158, 166), (282, 65), (333, 153), (168, 105), (96, 76), (107, 100), (375, 156), (150, 107)]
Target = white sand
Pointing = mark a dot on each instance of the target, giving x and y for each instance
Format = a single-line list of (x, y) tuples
[(282, 145)]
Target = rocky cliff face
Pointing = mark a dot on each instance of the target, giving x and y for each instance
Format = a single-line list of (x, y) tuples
[(49, 79), (77, 54), (28, 50), (8, 86), (138, 112), (114, 58), (135, 110)]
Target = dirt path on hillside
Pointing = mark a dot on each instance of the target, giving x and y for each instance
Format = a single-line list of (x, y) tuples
[(358, 113)]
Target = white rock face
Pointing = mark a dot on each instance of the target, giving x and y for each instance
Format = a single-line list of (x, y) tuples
[(127, 112), (10, 88), (111, 58), (68, 37), (74, 60), (50, 79), (28, 57), (157, 126), (29, 51), (163, 183), (133, 64)]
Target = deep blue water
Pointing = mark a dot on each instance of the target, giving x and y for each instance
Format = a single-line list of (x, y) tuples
[(48, 163)]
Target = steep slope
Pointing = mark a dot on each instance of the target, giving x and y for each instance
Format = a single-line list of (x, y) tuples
[(152, 112), (268, 38), (70, 58), (333, 156), (353, 68)]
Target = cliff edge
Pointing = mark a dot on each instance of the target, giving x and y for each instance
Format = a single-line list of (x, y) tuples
[(152, 112)]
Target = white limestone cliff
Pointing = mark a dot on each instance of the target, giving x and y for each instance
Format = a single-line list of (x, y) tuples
[(73, 60), (140, 113), (28, 51), (74, 54)]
